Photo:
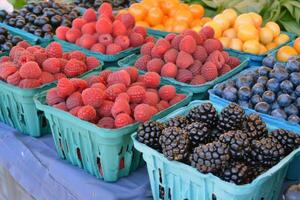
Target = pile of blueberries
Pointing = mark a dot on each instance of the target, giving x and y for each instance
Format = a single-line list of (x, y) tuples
[(7, 40), (273, 89), (41, 18)]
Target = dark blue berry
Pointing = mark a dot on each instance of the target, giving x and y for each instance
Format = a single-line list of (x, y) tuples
[(292, 65), (295, 78), (297, 102), (295, 119), (269, 61), (284, 100), (278, 66), (273, 85), (230, 83), (286, 86), (262, 79), (279, 74), (262, 107), (258, 88), (244, 81), (244, 93), (269, 96), (275, 106), (279, 113), (293, 193), (230, 93), (255, 99), (264, 71), (244, 104), (291, 110), (219, 89), (297, 91), (293, 96)]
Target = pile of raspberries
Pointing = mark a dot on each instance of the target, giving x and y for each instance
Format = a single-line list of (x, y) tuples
[(114, 99), (191, 57), (32, 66), (105, 34)]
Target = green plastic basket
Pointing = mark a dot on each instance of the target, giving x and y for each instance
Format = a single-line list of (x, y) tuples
[(180, 181), (105, 153), (157, 33), (199, 91)]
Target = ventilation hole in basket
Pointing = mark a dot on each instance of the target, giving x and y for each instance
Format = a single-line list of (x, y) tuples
[(59, 133), (161, 192), (169, 194), (213, 197), (121, 150), (262, 198), (122, 163), (99, 166), (43, 119), (61, 148), (79, 155), (127, 148), (159, 174), (8, 112)]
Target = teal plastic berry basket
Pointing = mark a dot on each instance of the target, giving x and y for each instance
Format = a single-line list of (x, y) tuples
[(105, 153), (18, 109), (199, 91), (180, 181), (157, 33)]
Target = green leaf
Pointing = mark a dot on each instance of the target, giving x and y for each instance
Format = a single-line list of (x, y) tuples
[(290, 24)]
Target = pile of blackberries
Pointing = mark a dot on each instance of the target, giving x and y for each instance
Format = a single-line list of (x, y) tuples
[(116, 4), (7, 40)]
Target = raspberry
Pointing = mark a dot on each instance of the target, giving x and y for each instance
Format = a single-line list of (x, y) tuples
[(188, 44), (78, 42), (24, 57), (212, 45), (66, 55), (123, 97), (146, 48), (209, 71), (155, 65), (133, 72), (226, 68), (105, 73), (105, 108), (176, 41), (154, 110), (98, 48), (113, 49), (118, 28), (162, 105), (78, 55), (177, 99), (225, 56), (87, 41), (52, 97), (4, 59), (141, 30), (74, 100), (7, 71), (87, 113), (217, 58), (30, 70), (170, 37), (63, 62), (167, 92), (52, 65), (105, 9), (122, 120), (122, 41), (208, 32), (120, 107), (29, 83), (198, 80), (46, 77), (59, 76), (74, 67), (127, 19), (160, 48), (114, 90), (184, 60), (142, 112), (14, 50), (74, 111), (105, 39), (171, 55), (79, 84), (195, 68), (90, 15), (92, 62), (120, 76), (61, 106), (61, 31), (54, 50), (141, 62), (233, 62), (65, 87), (150, 39), (152, 90), (136, 93), (152, 79), (33, 49), (151, 98), (106, 122), (93, 79), (23, 44), (139, 82), (14, 78), (136, 39), (198, 39), (40, 57), (184, 76), (77, 23), (93, 97), (103, 26), (99, 85), (169, 70), (73, 34), (200, 54)]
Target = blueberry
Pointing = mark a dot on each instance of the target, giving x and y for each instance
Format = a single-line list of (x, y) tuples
[(278, 66), (297, 102), (297, 91), (291, 110), (262, 79), (262, 107), (273, 85), (286, 86), (244, 104), (284, 100), (264, 71), (269, 96), (230, 83), (294, 118), (279, 74), (219, 89), (230, 94), (244, 81), (292, 65), (275, 106), (269, 61), (279, 113), (244, 93), (255, 99), (258, 88), (2, 39), (293, 96), (295, 78)]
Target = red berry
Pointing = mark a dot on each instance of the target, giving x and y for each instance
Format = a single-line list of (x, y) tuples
[(184, 60), (127, 19), (195, 68), (177, 99), (122, 41), (106, 122), (141, 62), (212, 45), (169, 70), (133, 72), (74, 67), (87, 113), (208, 32), (105, 108), (77, 23), (198, 80), (136, 39), (120, 107), (46, 77), (120, 76), (30, 70), (188, 44), (146, 48), (200, 54), (114, 90), (171, 55), (93, 97), (155, 65), (162, 105), (14, 78), (103, 25), (78, 55), (74, 111), (54, 50), (184, 76), (113, 49), (7, 71), (151, 98), (30, 83), (65, 87), (118, 28), (122, 120), (105, 39), (52, 65), (136, 93), (88, 28), (87, 41), (209, 71), (61, 106), (167, 92), (92, 62), (52, 97), (142, 112), (152, 79), (90, 15), (105, 9), (98, 48), (79, 84), (73, 34), (74, 100)]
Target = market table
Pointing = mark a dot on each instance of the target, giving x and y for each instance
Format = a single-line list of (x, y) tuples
[(37, 169)]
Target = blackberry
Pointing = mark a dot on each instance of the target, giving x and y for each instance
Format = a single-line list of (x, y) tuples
[(254, 171), (149, 133), (198, 133), (267, 151), (238, 143), (231, 118), (178, 121), (205, 113), (236, 172), (254, 127), (287, 139), (214, 135), (211, 157), (175, 143)]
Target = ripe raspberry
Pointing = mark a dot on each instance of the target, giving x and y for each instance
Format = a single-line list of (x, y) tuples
[(136, 94), (74, 100), (7, 71), (200, 54), (73, 34), (225, 68), (160, 48), (59, 76), (141, 30), (184, 60), (87, 113), (142, 112), (155, 65), (54, 50), (123, 97), (198, 80), (225, 56), (92, 62), (171, 55), (151, 98), (209, 71), (52, 65), (105, 39), (99, 85), (14, 78), (30, 70), (23, 44), (106, 122), (154, 110), (15, 50), (141, 62), (127, 19), (33, 49), (98, 48), (122, 120), (184, 76), (151, 79), (46, 77), (169, 70), (212, 45), (113, 49), (198, 39), (74, 111), (120, 107), (195, 68), (78, 42), (52, 97), (90, 15), (105, 108), (93, 79), (140, 82), (170, 37), (66, 55), (177, 99), (61, 106), (79, 84), (93, 97), (188, 44), (29, 83), (176, 41), (77, 23), (217, 58), (24, 57), (105, 73), (133, 72), (105, 9), (65, 87), (208, 32), (87, 41), (103, 26), (40, 57), (146, 48), (136, 39), (4, 59), (114, 90), (167, 92), (78, 55), (88, 28), (74, 67), (122, 41), (118, 28), (120, 76), (162, 105), (233, 62), (150, 39)]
